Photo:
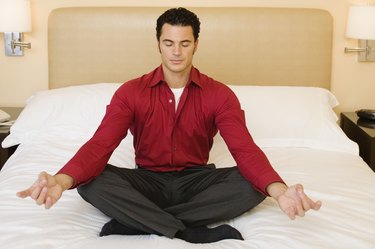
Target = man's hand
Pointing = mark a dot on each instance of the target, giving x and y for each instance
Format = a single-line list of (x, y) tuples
[(292, 200), (47, 189)]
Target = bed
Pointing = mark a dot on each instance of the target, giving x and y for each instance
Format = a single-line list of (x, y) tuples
[(277, 61)]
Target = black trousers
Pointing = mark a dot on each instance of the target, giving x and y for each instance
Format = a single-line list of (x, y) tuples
[(166, 202)]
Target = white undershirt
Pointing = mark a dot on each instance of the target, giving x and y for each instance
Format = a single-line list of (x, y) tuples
[(177, 95)]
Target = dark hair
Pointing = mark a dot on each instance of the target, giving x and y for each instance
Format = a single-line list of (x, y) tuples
[(181, 17)]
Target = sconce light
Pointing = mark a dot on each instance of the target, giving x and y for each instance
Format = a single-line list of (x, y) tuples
[(15, 18), (361, 25)]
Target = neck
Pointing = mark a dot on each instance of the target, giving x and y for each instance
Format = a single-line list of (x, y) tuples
[(176, 80)]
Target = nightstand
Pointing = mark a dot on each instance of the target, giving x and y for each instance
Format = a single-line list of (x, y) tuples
[(4, 131), (362, 134)]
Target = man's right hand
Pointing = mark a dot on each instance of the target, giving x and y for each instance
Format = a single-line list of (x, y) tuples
[(47, 189)]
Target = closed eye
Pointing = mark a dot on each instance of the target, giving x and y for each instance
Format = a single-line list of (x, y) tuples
[(168, 43), (186, 43)]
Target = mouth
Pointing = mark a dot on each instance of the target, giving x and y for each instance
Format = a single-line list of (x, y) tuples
[(175, 61)]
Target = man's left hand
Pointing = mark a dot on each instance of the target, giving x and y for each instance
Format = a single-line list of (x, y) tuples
[(292, 200)]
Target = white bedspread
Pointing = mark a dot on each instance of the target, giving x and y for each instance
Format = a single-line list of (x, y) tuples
[(342, 181)]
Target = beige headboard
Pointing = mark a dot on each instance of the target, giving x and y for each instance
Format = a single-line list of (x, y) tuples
[(257, 46)]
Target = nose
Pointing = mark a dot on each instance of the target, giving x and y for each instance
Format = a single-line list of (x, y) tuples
[(176, 50)]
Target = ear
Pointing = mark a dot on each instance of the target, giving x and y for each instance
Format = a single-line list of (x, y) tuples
[(158, 44), (196, 46)]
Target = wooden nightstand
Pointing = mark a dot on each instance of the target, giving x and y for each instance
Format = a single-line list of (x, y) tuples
[(4, 131), (361, 134)]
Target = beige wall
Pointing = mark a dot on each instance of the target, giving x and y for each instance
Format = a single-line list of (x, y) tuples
[(352, 82)]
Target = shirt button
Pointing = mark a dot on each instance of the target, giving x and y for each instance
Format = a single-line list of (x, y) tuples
[(170, 101)]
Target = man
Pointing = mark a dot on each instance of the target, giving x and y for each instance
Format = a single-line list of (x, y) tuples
[(173, 112)]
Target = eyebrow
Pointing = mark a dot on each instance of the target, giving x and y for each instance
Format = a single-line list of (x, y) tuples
[(167, 40)]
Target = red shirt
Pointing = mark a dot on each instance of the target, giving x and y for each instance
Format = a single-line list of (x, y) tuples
[(166, 139)]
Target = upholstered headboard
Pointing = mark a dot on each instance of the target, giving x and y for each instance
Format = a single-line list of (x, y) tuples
[(238, 45)]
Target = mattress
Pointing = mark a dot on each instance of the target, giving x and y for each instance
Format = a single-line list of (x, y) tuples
[(301, 139), (343, 182)]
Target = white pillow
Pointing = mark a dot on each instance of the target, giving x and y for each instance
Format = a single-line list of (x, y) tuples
[(282, 116), (276, 116), (71, 112)]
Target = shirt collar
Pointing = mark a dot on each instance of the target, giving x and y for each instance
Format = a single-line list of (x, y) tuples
[(158, 77)]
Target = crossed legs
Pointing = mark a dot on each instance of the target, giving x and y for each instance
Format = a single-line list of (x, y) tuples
[(173, 204)]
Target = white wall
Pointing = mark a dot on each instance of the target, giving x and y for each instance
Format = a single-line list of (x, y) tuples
[(352, 82)]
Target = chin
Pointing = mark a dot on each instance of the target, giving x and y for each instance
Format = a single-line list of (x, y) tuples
[(177, 68)]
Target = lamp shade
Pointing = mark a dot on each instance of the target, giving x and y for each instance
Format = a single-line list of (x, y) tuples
[(15, 16), (361, 22)]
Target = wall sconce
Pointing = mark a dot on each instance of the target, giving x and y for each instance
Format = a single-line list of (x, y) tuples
[(15, 18), (361, 25)]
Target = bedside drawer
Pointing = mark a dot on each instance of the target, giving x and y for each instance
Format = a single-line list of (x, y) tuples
[(363, 136)]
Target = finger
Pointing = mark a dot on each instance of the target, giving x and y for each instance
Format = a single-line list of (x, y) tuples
[(291, 212), (25, 193), (317, 205), (307, 203), (49, 202), (42, 197), (300, 210), (35, 191), (299, 188), (38, 185), (42, 178)]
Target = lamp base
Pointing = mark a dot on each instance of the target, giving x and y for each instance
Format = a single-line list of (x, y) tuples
[(369, 55), (365, 50), (11, 37)]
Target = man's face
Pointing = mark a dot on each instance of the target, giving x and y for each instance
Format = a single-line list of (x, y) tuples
[(177, 46)]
